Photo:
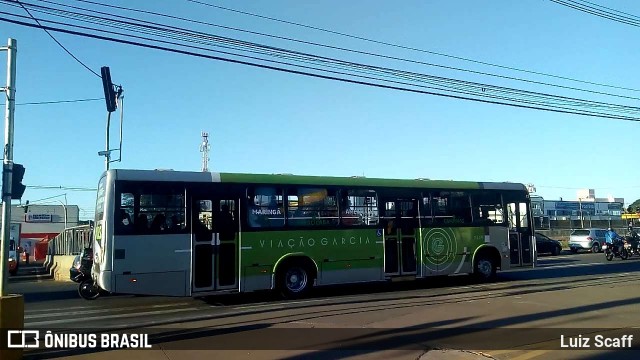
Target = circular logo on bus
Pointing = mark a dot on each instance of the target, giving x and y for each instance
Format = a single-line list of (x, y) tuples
[(440, 246)]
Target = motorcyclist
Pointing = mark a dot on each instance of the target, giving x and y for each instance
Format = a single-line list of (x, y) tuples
[(634, 238), (613, 239)]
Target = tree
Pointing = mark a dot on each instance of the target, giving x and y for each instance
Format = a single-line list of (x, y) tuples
[(634, 207)]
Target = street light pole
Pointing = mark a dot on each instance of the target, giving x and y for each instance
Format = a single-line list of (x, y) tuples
[(65, 213), (581, 216)]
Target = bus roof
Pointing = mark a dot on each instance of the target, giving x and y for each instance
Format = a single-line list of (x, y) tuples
[(196, 176)]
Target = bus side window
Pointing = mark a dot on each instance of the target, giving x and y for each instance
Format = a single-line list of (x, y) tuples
[(359, 207), (124, 221), (265, 207), (487, 208), (161, 212), (425, 210), (442, 214), (315, 207)]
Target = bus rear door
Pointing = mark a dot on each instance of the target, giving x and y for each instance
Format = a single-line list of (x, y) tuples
[(400, 224)]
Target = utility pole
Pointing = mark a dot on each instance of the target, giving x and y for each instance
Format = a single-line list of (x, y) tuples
[(10, 92), (204, 149)]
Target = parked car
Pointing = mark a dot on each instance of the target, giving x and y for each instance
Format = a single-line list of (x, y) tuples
[(587, 239), (74, 271), (546, 245)]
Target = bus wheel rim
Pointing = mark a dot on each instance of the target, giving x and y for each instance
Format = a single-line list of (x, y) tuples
[(484, 266), (296, 279)]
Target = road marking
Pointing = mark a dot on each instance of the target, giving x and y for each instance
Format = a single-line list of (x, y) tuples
[(498, 352), (65, 311), (530, 355), (569, 265), (282, 304), (102, 317)]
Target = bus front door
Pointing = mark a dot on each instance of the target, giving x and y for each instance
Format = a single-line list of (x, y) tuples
[(215, 244), (400, 221)]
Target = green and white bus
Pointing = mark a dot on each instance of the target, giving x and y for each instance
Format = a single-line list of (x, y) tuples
[(175, 233)]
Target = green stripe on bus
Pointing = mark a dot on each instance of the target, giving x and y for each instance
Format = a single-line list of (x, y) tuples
[(345, 181)]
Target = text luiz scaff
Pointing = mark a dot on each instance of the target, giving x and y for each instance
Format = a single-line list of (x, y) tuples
[(596, 342), (48, 340)]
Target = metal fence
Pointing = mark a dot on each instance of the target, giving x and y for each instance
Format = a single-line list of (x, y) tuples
[(71, 241), (547, 224)]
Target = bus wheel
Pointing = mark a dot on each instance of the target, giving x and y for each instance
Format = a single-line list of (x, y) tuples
[(484, 269), (88, 290), (295, 280)]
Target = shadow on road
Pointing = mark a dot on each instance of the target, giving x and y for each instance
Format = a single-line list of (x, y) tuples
[(336, 343)]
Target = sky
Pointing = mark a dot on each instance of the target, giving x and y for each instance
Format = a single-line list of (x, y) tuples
[(265, 121)]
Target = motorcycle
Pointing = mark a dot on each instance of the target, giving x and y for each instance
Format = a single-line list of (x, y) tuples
[(615, 250), (87, 289)]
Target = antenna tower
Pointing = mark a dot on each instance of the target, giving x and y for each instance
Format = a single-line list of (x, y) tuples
[(204, 149)]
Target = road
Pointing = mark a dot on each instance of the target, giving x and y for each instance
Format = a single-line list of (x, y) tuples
[(564, 292)]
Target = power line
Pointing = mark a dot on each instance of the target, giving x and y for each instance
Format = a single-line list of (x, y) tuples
[(60, 187), (321, 45), (161, 31), (614, 10), (57, 42), (596, 10), (495, 97), (386, 72), (551, 102), (298, 72), (56, 101), (400, 46)]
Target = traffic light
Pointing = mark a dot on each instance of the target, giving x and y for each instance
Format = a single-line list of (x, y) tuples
[(109, 91), (17, 188)]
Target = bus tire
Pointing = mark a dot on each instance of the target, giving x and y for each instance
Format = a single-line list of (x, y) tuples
[(295, 279), (484, 267)]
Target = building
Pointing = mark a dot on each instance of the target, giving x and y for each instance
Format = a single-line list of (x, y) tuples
[(586, 207), (34, 223)]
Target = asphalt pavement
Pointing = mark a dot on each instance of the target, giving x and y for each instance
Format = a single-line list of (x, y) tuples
[(565, 291)]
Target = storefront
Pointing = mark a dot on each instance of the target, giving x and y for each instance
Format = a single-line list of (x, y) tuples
[(34, 225)]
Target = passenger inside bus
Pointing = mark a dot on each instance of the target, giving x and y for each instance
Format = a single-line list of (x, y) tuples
[(125, 218), (176, 224), (225, 224), (159, 223), (142, 223)]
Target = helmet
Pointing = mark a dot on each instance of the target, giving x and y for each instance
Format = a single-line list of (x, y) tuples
[(609, 229)]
